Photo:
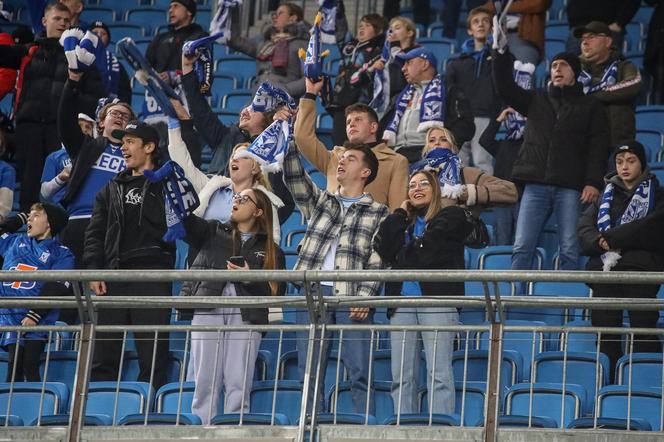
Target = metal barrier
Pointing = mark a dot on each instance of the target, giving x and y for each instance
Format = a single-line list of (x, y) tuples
[(487, 343)]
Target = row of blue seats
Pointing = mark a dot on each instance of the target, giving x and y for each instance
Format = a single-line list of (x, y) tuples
[(551, 404)]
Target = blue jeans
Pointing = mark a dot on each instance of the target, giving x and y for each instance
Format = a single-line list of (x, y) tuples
[(441, 398), (537, 203), (505, 218), (522, 50), (354, 355)]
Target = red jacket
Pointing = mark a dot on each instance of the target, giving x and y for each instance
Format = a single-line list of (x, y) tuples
[(7, 75)]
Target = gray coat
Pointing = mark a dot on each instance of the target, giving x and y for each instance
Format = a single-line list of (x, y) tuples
[(289, 78)]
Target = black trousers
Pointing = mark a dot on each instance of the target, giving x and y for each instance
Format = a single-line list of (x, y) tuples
[(610, 344), (108, 345), (34, 141), (26, 357)]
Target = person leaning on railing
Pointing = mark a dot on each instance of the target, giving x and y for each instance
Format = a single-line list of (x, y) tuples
[(623, 232), (426, 232), (220, 359)]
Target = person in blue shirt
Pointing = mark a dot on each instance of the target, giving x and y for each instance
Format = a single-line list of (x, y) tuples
[(35, 250)]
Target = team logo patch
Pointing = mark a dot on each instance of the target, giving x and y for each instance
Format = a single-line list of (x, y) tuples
[(21, 285), (44, 256)]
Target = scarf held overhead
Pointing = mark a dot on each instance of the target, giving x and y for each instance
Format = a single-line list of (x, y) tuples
[(180, 198), (202, 48), (432, 108), (638, 207), (220, 25), (515, 122)]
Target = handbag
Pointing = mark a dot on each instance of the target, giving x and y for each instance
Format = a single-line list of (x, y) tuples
[(478, 237)]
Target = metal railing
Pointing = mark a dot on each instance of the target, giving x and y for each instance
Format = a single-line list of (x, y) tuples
[(492, 337)]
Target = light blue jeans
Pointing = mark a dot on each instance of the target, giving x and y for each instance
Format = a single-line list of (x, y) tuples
[(473, 154), (522, 50), (408, 353), (537, 203)]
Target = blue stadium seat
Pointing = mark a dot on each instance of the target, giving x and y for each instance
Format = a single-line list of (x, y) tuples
[(90, 14), (11, 421), (468, 402), (221, 85), (142, 44), (287, 400), (27, 399), (634, 34), (649, 117), (519, 341), (645, 403), (324, 122), (546, 401), (442, 47), (160, 419), (289, 371), (61, 367), (345, 419), (120, 6), (551, 316), (474, 366), (150, 18), (120, 30), (117, 401), (236, 101), (581, 369), (382, 367), (292, 239), (558, 30), (239, 67), (384, 407), (609, 423), (319, 179), (519, 421), (4, 364), (131, 370), (270, 342), (169, 400), (424, 419), (651, 140), (250, 419), (291, 259), (6, 103), (646, 370), (228, 117), (62, 420), (553, 46), (203, 17)]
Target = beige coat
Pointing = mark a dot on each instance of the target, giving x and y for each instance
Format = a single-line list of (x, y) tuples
[(390, 186), (485, 190)]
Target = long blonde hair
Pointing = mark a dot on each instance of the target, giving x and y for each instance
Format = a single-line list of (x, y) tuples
[(408, 24), (435, 204), (448, 134), (261, 177)]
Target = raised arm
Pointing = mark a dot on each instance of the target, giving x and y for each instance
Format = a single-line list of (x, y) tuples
[(297, 180), (508, 90), (304, 132), (70, 133), (237, 40), (206, 121), (177, 149)]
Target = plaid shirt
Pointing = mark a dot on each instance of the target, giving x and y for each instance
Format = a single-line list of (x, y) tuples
[(326, 222)]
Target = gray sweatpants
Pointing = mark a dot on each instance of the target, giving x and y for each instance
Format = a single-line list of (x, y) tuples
[(220, 361)]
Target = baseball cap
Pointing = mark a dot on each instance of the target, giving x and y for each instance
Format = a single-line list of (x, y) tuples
[(419, 52), (636, 148), (595, 27), (143, 131)]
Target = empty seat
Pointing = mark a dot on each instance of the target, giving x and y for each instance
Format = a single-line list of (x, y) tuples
[(548, 400), (119, 399), (11, 421), (61, 367), (26, 399), (121, 30), (236, 101), (468, 401), (251, 419), (343, 403), (239, 67), (176, 397), (610, 423), (345, 419), (473, 366), (522, 342), (646, 370), (160, 419), (423, 419), (644, 403), (516, 420), (287, 400), (62, 420), (92, 13), (148, 17)]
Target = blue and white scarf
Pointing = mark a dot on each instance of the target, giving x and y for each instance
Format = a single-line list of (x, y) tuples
[(220, 25), (609, 78), (269, 148), (203, 64), (328, 24), (313, 57), (432, 109), (639, 207), (81, 48), (523, 77), (381, 80), (180, 198), (448, 167)]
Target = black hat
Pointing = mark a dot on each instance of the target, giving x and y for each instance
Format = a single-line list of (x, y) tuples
[(594, 27), (189, 4), (572, 60), (637, 149), (143, 131), (57, 217), (101, 24)]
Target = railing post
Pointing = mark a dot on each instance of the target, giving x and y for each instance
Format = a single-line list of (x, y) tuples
[(495, 351), (84, 363)]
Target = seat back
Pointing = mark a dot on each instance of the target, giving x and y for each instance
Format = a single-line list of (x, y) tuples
[(547, 401), (646, 370), (287, 400), (468, 401), (644, 403), (383, 406), (24, 399), (117, 401)]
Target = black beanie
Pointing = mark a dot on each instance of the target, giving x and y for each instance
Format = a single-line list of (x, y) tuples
[(57, 217), (189, 4), (637, 149), (572, 60)]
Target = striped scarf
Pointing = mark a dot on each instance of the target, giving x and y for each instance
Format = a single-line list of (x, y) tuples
[(609, 78), (220, 25)]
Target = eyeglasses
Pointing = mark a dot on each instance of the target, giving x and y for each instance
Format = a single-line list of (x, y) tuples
[(423, 184), (117, 114), (242, 199)]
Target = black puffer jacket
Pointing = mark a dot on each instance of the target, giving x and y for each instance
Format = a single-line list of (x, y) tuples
[(217, 244), (44, 77), (439, 248), (641, 242), (565, 142), (107, 226), (165, 52)]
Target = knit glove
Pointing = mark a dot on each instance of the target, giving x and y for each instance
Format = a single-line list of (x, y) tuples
[(499, 36), (69, 41)]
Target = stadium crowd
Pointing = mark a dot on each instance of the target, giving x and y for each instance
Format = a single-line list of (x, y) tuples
[(504, 127)]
